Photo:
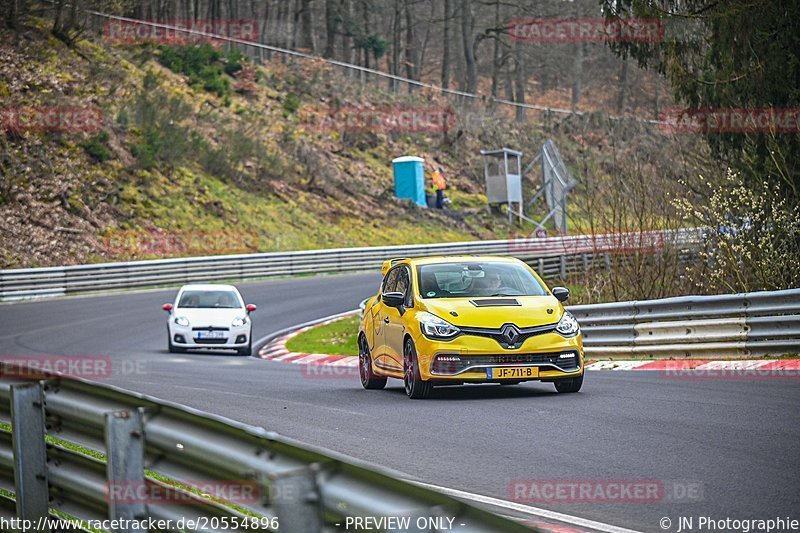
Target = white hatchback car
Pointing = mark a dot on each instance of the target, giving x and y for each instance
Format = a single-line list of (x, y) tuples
[(209, 316)]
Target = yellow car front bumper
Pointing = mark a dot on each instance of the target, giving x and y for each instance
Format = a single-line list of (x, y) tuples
[(472, 359)]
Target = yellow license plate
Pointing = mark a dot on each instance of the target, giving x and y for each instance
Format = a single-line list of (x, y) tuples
[(513, 372)]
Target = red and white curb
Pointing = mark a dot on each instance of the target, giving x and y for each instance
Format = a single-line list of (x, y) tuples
[(697, 365), (277, 351)]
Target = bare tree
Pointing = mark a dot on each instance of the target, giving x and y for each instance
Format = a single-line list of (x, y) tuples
[(446, 45), (470, 84), (303, 24), (331, 26), (411, 52), (623, 83)]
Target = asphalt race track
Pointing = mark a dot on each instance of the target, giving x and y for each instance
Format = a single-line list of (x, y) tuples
[(734, 439)]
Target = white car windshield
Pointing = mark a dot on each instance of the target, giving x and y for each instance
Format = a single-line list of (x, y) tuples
[(209, 300), (468, 280)]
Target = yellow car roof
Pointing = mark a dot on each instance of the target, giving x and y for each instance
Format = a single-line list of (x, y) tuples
[(389, 263), (461, 259)]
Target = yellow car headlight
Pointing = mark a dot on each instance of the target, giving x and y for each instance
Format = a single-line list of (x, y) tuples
[(568, 325), (436, 328)]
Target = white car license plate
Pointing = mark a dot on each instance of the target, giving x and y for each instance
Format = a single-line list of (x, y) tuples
[(210, 334)]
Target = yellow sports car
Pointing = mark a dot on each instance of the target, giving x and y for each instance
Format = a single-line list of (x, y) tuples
[(454, 320)]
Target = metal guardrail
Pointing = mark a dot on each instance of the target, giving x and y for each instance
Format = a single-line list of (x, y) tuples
[(90, 451), (731, 325), (551, 256)]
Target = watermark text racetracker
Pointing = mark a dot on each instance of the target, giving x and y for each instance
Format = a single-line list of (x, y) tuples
[(775, 369), (614, 491), (343, 368), (91, 367), (51, 119), (732, 120), (180, 242), (202, 523), (588, 30), (383, 119), (239, 492), (179, 31)]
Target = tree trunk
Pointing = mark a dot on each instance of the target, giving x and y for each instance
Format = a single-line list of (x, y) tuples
[(12, 13), (394, 61), (623, 82), (57, 17), (471, 67), (577, 76), (307, 41), (331, 25), (509, 81), (411, 51), (422, 48), (496, 54), (294, 20), (367, 30), (347, 39), (520, 80), (284, 26), (657, 99), (446, 46)]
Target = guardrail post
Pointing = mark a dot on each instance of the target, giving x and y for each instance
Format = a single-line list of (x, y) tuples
[(30, 456), (126, 489), (563, 268), (541, 267), (607, 259), (296, 500)]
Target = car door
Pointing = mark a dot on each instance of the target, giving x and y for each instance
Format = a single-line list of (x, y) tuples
[(394, 322), (379, 321)]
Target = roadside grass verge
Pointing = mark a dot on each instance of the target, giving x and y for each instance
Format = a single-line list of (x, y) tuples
[(336, 338)]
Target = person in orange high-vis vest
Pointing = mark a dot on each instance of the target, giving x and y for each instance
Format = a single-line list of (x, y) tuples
[(439, 185)]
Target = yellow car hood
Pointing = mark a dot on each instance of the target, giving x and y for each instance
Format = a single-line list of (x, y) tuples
[(531, 311)]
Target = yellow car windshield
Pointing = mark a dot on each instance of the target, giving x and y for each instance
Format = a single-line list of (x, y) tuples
[(470, 280)]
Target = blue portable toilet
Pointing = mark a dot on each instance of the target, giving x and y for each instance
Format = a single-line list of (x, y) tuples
[(409, 179)]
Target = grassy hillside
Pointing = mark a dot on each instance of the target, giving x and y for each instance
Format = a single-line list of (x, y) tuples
[(200, 140)]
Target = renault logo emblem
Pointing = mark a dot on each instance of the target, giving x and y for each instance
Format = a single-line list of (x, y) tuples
[(510, 334)]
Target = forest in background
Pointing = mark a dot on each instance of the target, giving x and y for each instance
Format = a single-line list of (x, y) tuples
[(741, 186)]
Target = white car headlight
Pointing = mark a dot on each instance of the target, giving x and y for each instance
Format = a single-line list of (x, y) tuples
[(433, 326), (239, 322), (568, 325), (182, 321)]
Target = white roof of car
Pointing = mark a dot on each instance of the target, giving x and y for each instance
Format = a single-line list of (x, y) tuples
[(207, 287)]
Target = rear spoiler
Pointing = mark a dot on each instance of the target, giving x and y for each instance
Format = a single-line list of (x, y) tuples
[(389, 263)]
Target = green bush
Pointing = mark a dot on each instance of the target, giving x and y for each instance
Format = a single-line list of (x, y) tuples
[(123, 120), (150, 80), (147, 149), (96, 146), (162, 137), (213, 82), (233, 63), (290, 104), (202, 64)]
